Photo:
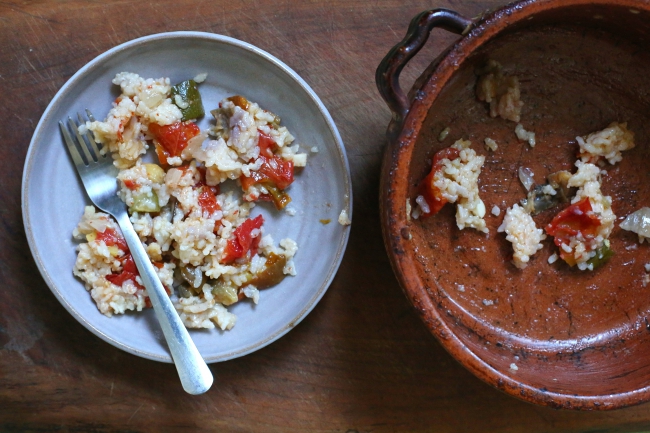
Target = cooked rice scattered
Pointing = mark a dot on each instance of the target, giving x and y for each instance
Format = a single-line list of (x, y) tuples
[(457, 182), (587, 180), (344, 218), (443, 134), (490, 144), (639, 223), (524, 135), (524, 235), (606, 144), (182, 236), (500, 91)]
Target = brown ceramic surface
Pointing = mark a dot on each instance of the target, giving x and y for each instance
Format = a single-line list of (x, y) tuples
[(578, 339)]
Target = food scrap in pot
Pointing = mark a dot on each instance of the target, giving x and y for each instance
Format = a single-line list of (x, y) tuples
[(454, 179), (639, 223), (526, 177), (524, 235), (490, 144), (606, 144), (581, 231), (500, 91), (548, 195), (524, 135), (443, 134)]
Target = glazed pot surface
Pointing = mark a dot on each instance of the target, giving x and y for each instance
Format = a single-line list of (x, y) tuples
[(549, 333)]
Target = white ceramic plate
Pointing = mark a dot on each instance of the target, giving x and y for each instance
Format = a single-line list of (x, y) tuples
[(53, 198)]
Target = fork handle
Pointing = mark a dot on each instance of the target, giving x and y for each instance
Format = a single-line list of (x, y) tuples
[(192, 369)]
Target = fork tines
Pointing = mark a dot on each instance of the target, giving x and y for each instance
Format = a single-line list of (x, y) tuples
[(90, 150)]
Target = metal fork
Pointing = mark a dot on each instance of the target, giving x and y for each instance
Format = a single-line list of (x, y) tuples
[(98, 175)]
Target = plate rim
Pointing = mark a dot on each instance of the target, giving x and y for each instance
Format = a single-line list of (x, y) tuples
[(213, 37)]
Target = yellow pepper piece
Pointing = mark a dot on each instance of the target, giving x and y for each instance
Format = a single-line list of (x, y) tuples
[(145, 202), (155, 173), (224, 293)]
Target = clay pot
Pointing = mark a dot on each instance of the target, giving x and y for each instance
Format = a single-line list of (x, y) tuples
[(549, 334)]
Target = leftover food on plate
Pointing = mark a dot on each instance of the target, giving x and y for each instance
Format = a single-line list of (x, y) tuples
[(580, 231), (207, 246)]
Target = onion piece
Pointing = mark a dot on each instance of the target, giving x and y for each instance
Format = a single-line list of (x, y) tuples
[(194, 144), (99, 224), (526, 177), (201, 78), (638, 222), (151, 98), (423, 204)]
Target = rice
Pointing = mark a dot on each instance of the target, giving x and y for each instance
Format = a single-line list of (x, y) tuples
[(344, 219), (490, 144), (443, 134), (201, 77), (606, 144), (524, 235), (580, 249), (96, 259), (500, 91), (524, 135), (581, 231), (205, 244), (590, 246), (457, 181)]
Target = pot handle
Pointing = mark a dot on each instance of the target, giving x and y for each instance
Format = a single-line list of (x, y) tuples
[(388, 71)]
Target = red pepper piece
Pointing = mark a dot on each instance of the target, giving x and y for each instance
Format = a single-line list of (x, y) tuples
[(243, 241), (577, 218), (111, 238), (431, 194), (129, 272), (130, 184), (173, 138), (267, 144), (208, 200)]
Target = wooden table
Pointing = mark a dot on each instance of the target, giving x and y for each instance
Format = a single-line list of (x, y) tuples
[(361, 361)]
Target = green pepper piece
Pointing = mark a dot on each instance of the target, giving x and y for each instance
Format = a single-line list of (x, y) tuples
[(239, 101), (145, 202), (188, 91), (224, 293), (602, 255), (280, 198), (273, 272)]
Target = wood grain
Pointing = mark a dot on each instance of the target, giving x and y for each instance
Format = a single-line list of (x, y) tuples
[(360, 362)]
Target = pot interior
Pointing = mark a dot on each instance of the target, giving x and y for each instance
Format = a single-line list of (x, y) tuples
[(549, 326)]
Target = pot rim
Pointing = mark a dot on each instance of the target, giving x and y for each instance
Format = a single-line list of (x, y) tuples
[(394, 193)]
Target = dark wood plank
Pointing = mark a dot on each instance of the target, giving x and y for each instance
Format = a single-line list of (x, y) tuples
[(361, 361)]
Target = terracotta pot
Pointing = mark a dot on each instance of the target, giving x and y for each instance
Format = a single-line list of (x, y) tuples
[(549, 334)]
